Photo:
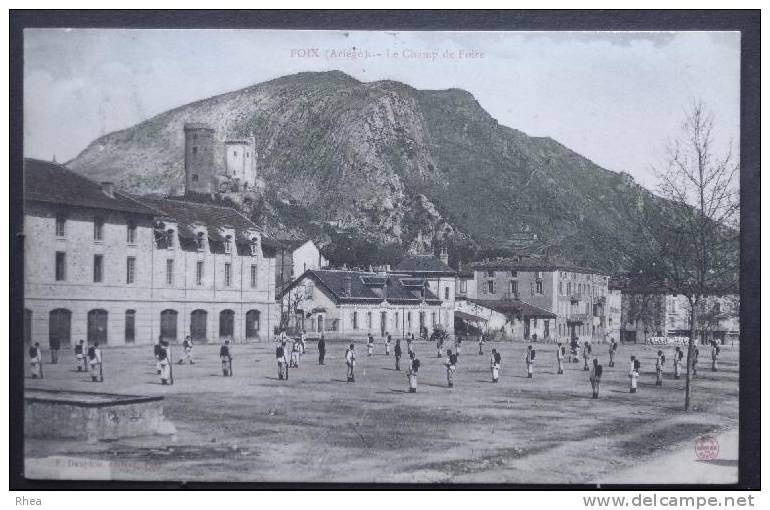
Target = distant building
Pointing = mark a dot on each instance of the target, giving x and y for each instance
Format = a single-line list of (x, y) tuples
[(650, 311), (240, 161), (105, 266), (441, 280), (576, 295), (506, 319), (350, 305), (465, 287)]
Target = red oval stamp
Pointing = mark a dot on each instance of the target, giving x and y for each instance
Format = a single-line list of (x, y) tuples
[(706, 448)]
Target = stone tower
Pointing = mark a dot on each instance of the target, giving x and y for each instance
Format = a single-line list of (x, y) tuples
[(198, 158)]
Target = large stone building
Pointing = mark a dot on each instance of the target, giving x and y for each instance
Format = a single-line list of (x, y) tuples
[(350, 305), (104, 266), (576, 295), (650, 312)]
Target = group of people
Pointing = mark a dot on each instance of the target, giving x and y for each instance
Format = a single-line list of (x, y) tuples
[(87, 359)]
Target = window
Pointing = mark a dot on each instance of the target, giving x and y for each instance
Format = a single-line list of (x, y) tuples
[(98, 229), (199, 273), (170, 239), (717, 307), (252, 324), (514, 287), (534, 322), (491, 287), (61, 266), (228, 244), (254, 276), (98, 267), (409, 320), (539, 286), (194, 177), (514, 274), (130, 331), (368, 320), (97, 326), (61, 222), (355, 320), (228, 274), (59, 326), (130, 269), (463, 286), (200, 240), (253, 248), (226, 323), (308, 290), (131, 233), (561, 288), (168, 320), (198, 324), (170, 272), (446, 292), (195, 150)]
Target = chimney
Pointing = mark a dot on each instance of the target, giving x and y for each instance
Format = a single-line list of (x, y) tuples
[(348, 286), (109, 188), (444, 255)]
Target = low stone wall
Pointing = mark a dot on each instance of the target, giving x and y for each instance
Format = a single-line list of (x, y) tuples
[(87, 416)]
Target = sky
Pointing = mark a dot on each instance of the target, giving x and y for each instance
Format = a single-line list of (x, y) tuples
[(614, 97)]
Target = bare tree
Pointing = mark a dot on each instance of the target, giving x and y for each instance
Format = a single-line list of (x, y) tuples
[(691, 237)]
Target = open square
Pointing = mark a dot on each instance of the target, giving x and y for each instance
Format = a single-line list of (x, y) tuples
[(316, 427)]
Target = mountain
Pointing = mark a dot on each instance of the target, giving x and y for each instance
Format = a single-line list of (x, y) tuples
[(388, 165)]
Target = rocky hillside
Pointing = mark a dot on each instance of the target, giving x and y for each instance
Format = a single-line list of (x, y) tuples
[(392, 165)]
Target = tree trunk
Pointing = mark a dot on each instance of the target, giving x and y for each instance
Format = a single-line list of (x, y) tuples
[(687, 384)]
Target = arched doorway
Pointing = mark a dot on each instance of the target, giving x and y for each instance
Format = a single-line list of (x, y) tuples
[(198, 320), (252, 324), (97, 326), (226, 324), (130, 328), (168, 320)]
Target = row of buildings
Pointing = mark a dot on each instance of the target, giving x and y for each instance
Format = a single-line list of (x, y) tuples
[(105, 266)]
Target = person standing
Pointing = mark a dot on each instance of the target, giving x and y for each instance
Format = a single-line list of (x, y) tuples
[(495, 362), (187, 348), (613, 348), (458, 346), (302, 340), (410, 343), (164, 362), (156, 350), (714, 356), (573, 351), (481, 345), (560, 351), (295, 351), (530, 358), (586, 354), (397, 353), (633, 373), (411, 372), (321, 349), (659, 368), (54, 344), (595, 376), (451, 364), (95, 362), (79, 356), (370, 346), (439, 345), (36, 361), (387, 344), (678, 355), (280, 358), (227, 359), (350, 361)]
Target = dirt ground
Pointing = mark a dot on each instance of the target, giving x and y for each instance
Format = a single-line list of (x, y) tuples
[(316, 427)]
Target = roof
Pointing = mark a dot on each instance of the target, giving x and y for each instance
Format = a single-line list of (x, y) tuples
[(423, 264), (629, 283), (188, 214), (468, 317), (515, 307), (532, 263), (293, 244), (367, 286), (53, 183)]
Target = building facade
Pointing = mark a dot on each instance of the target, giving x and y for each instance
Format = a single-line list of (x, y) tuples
[(441, 281), (576, 295), (350, 305), (103, 266)]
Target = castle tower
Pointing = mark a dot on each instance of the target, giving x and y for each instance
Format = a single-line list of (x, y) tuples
[(240, 158), (198, 158)]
